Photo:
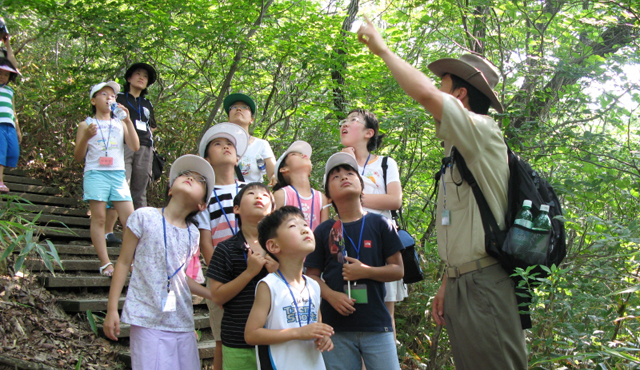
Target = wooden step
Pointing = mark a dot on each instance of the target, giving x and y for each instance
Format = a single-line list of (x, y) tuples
[(78, 250), (69, 265), (200, 322), (17, 188), (206, 349), (96, 304), (76, 233), (82, 305), (16, 172), (58, 219), (83, 250), (52, 209), (22, 180), (48, 199), (76, 281)]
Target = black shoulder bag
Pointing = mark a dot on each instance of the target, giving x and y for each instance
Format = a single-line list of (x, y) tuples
[(410, 259)]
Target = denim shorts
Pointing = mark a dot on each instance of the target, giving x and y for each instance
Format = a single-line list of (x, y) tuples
[(9, 146), (106, 186), (377, 349)]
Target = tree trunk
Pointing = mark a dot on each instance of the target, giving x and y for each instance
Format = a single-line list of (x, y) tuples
[(226, 84), (339, 101)]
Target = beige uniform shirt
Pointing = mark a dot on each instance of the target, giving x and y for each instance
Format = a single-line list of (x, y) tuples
[(481, 143)]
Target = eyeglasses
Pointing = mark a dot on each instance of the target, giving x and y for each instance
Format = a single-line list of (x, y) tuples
[(238, 107), (194, 175), (350, 121)]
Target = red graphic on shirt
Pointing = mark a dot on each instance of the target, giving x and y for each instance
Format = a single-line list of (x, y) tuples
[(336, 242), (367, 243)]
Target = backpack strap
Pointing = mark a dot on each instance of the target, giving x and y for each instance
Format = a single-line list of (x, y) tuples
[(395, 214), (239, 175), (494, 237)]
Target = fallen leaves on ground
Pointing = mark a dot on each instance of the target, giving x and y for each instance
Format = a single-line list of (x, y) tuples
[(33, 328)]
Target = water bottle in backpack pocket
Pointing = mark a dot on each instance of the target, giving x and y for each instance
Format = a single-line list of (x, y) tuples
[(528, 238), (529, 246)]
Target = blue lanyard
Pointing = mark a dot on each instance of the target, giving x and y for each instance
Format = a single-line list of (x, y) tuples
[(357, 248), (313, 197), (139, 110), (106, 143), (365, 163), (225, 213), (295, 302), (166, 253)]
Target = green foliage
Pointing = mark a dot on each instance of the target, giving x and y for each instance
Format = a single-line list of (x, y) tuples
[(92, 322), (17, 231), (569, 90)]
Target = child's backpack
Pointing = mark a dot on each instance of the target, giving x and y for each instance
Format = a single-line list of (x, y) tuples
[(410, 258), (524, 183)]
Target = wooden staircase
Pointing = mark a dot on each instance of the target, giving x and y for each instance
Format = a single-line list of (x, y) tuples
[(79, 287)]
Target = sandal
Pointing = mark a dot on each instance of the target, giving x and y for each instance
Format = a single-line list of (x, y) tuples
[(103, 271), (3, 188)]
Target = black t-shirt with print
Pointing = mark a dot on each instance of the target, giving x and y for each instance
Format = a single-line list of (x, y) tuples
[(379, 241)]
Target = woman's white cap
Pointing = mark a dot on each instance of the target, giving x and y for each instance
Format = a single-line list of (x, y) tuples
[(297, 147), (112, 84), (236, 134), (190, 162)]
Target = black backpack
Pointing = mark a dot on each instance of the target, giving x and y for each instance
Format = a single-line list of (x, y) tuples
[(524, 183)]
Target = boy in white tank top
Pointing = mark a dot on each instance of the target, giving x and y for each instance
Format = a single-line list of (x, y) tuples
[(285, 321)]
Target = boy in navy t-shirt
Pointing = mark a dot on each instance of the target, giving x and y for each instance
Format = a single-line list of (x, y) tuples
[(355, 256)]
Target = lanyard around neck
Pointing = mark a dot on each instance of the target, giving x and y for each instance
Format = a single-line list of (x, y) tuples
[(313, 195), (234, 231), (166, 252), (106, 143), (357, 248), (365, 163), (139, 110), (295, 301)]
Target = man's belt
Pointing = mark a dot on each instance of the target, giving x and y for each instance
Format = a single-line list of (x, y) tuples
[(456, 272)]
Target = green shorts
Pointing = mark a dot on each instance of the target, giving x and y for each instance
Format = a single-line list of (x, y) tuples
[(238, 358)]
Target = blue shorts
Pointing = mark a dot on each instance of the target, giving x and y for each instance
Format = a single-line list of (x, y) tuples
[(106, 186), (9, 147)]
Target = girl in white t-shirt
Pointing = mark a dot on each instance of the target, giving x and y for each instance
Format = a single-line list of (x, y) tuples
[(359, 133), (158, 305), (100, 145)]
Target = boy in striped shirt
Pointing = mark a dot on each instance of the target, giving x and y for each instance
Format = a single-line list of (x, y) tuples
[(221, 146)]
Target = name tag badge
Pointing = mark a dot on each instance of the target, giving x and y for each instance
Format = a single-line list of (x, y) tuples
[(106, 161), (169, 302), (141, 126), (359, 293), (446, 217)]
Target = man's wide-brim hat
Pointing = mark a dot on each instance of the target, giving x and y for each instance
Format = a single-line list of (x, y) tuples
[(153, 75), (233, 98), (477, 71)]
